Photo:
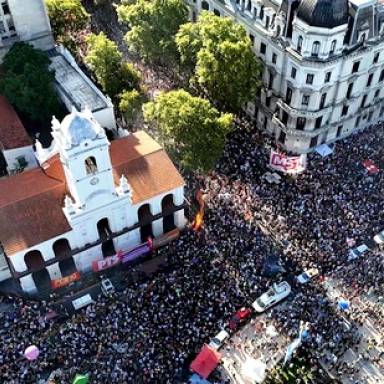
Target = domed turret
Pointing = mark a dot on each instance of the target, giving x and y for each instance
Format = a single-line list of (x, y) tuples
[(79, 126), (323, 13)]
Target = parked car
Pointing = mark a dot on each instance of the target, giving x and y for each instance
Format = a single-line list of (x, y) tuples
[(357, 252), (219, 339), (307, 275), (275, 293), (239, 318), (379, 238)]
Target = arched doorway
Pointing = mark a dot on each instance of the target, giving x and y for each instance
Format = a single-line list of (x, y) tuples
[(204, 5), (105, 233), (61, 248), (34, 260), (42, 280), (167, 207), (145, 220), (67, 266)]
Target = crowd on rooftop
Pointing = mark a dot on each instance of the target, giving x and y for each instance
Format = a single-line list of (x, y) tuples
[(150, 331)]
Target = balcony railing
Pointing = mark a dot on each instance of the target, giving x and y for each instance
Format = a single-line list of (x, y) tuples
[(76, 251)]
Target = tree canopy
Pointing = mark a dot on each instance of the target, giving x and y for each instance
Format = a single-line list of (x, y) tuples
[(190, 128), (105, 60), (28, 83), (153, 26), (130, 104), (68, 18), (218, 53)]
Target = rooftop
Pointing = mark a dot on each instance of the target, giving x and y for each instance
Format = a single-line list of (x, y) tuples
[(12, 131), (31, 202), (76, 88)]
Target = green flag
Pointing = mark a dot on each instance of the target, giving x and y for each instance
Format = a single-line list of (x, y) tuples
[(80, 379)]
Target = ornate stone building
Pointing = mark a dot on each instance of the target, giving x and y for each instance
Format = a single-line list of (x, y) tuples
[(324, 65)]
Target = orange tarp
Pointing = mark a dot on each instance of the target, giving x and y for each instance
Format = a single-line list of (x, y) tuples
[(206, 361)]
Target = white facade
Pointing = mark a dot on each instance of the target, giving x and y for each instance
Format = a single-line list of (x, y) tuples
[(24, 20), (308, 68), (92, 198)]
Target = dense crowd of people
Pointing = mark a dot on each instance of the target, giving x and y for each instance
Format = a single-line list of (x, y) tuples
[(150, 331)]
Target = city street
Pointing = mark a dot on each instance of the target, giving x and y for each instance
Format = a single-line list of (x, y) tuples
[(258, 340)]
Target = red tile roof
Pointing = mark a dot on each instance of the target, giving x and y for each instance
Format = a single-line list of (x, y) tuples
[(31, 202), (12, 131)]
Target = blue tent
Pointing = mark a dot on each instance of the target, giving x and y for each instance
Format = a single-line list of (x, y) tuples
[(196, 379)]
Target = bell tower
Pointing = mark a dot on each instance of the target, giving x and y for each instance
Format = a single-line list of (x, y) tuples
[(84, 153)]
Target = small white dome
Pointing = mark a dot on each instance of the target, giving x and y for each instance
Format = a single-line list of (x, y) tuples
[(79, 126)]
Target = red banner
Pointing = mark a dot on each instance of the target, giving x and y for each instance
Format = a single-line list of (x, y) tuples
[(287, 164), (370, 166), (62, 282), (166, 238), (106, 263)]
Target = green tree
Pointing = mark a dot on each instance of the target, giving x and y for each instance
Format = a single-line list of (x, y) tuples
[(218, 53), (28, 83), (68, 19), (130, 104), (105, 60), (153, 26), (190, 128)]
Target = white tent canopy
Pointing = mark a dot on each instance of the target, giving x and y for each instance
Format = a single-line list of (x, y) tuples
[(324, 150), (254, 370)]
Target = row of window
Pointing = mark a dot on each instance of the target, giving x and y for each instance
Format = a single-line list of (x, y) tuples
[(327, 78), (315, 47), (314, 140), (301, 121), (305, 100)]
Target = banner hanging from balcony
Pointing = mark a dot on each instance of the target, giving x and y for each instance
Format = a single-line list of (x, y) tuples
[(106, 263), (136, 252), (59, 283), (165, 238), (287, 164)]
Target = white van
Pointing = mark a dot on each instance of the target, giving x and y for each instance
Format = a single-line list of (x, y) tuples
[(219, 339), (107, 287), (82, 301)]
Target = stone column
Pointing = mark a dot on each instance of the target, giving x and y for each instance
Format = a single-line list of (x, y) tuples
[(157, 227), (180, 219), (28, 284), (134, 238), (54, 271)]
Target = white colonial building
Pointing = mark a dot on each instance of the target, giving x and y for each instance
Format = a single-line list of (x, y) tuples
[(89, 199), (324, 65)]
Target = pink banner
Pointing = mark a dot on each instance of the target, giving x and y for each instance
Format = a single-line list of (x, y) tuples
[(287, 164), (106, 263)]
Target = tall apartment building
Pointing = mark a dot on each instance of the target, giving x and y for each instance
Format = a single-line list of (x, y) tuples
[(323, 61)]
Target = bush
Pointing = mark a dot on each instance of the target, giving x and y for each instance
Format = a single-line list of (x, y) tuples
[(28, 83)]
